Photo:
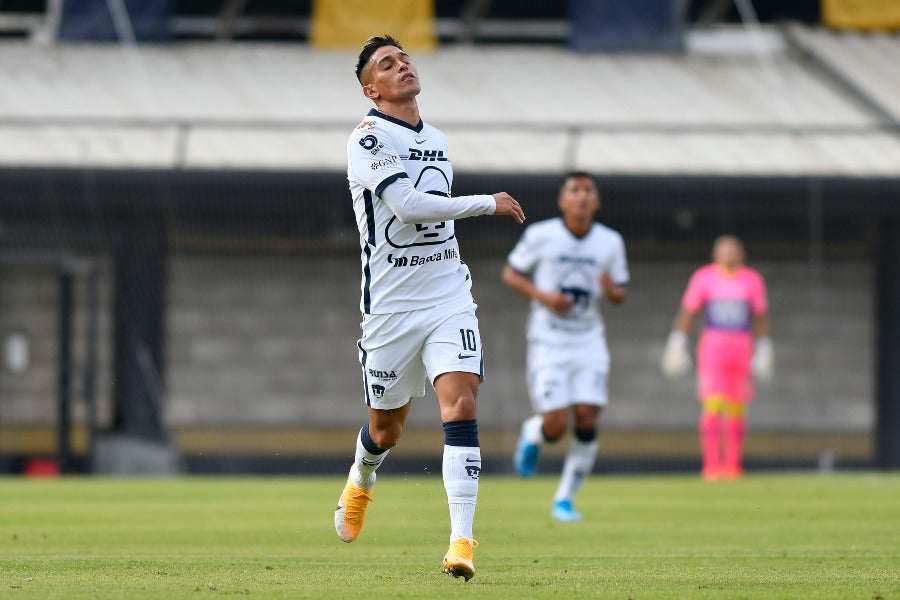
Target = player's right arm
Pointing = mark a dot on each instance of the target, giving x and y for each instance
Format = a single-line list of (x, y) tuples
[(676, 359), (684, 321), (523, 259), (557, 302)]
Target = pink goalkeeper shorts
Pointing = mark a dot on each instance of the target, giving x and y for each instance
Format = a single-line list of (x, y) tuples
[(723, 365)]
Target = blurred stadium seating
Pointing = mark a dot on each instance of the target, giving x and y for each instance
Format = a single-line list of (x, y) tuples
[(204, 183), (286, 107)]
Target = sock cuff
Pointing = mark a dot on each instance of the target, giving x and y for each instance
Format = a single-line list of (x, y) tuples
[(586, 435), (368, 443), (461, 433)]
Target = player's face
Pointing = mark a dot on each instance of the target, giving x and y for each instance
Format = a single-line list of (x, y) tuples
[(390, 75), (728, 252), (579, 199)]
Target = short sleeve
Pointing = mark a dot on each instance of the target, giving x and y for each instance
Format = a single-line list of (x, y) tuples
[(373, 158), (618, 268), (526, 254), (695, 294), (759, 298)]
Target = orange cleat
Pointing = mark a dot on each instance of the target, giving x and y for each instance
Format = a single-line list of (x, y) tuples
[(351, 511), (458, 560)]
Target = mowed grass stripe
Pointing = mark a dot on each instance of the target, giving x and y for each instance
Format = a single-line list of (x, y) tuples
[(768, 536)]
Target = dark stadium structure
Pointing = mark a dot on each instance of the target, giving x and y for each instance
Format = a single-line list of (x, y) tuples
[(137, 219)]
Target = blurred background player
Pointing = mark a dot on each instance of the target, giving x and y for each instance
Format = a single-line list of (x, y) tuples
[(418, 313), (565, 265), (732, 297)]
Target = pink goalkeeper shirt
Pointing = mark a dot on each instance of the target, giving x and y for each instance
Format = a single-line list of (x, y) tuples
[(729, 301)]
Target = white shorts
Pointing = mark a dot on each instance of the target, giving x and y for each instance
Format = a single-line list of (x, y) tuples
[(561, 376), (398, 351)]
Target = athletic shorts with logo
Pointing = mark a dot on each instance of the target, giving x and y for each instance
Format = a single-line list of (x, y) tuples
[(399, 352), (560, 376)]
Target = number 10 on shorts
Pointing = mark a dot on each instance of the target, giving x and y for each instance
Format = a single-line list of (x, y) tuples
[(468, 340)]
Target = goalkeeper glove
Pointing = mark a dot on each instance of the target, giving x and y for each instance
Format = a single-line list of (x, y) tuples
[(675, 359), (762, 362)]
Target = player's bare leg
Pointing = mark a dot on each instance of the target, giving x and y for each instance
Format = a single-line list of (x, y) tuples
[(375, 438), (461, 468)]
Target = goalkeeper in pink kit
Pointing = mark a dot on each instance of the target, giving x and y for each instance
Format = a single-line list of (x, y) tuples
[(733, 300)]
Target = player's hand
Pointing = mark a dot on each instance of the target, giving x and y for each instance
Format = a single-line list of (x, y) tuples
[(557, 302), (507, 205), (763, 363), (676, 360)]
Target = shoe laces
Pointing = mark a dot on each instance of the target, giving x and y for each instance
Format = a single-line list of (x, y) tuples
[(463, 547), (357, 500)]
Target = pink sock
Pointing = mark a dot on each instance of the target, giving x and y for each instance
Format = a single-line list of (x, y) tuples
[(710, 434), (735, 428)]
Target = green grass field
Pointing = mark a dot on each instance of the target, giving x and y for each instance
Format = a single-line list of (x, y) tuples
[(768, 536)]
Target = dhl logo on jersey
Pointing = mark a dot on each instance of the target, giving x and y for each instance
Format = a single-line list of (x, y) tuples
[(426, 155)]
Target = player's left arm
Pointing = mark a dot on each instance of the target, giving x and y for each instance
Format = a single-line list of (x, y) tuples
[(763, 360), (613, 280), (761, 325), (412, 206), (611, 291)]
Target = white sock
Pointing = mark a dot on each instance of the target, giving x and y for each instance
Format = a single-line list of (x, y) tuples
[(533, 430), (365, 464), (578, 465), (461, 470)]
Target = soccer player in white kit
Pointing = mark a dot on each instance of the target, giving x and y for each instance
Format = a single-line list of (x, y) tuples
[(418, 313), (565, 266)]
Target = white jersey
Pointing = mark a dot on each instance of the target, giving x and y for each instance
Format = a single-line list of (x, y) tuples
[(414, 265), (557, 260)]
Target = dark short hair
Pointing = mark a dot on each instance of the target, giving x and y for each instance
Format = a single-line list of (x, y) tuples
[(372, 44), (577, 175)]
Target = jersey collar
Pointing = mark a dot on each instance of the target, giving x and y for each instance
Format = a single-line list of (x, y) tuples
[(562, 223), (377, 113)]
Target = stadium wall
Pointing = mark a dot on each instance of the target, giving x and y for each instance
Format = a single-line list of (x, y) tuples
[(261, 308)]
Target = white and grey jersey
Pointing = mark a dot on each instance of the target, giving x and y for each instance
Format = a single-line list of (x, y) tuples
[(400, 178), (559, 261)]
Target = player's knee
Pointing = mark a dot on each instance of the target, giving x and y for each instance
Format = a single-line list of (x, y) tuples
[(714, 405), (735, 410), (586, 417), (460, 407), (456, 398)]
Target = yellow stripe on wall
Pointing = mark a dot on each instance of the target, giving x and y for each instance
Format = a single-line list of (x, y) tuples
[(861, 14), (346, 24)]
